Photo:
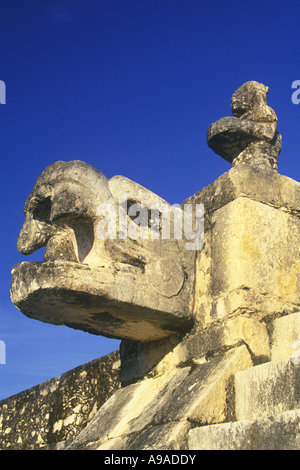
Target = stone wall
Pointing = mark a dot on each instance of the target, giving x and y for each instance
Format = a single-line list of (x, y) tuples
[(55, 411)]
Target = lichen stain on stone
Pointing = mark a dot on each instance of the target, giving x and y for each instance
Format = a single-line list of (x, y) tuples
[(289, 285)]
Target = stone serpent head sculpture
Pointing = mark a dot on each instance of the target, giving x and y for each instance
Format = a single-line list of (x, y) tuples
[(102, 271)]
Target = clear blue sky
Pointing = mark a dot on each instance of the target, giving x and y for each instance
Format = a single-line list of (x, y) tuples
[(129, 86)]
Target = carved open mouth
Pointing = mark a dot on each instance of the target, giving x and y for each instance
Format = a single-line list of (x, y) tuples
[(117, 288)]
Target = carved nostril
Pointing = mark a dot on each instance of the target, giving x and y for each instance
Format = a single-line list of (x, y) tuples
[(42, 210)]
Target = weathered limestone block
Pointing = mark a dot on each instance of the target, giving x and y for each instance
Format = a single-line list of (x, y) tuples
[(279, 432), (200, 346), (138, 358), (225, 436), (252, 332), (267, 187), (255, 247), (205, 394), (170, 436), (267, 389), (286, 338)]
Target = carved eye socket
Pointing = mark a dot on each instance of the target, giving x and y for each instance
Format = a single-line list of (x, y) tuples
[(138, 213), (42, 210)]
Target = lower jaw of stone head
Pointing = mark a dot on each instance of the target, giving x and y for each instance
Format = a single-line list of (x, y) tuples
[(92, 299)]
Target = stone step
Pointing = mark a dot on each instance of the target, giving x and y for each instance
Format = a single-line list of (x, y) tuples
[(279, 432), (267, 400), (267, 389)]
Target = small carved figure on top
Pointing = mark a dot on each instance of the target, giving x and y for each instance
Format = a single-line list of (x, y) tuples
[(250, 136)]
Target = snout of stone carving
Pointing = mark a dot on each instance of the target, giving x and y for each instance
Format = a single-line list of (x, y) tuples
[(110, 284)]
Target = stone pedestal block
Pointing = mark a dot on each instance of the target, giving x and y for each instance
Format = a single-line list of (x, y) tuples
[(255, 254)]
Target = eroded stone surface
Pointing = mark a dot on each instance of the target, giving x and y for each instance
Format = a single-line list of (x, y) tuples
[(280, 432), (286, 338), (251, 135), (267, 389)]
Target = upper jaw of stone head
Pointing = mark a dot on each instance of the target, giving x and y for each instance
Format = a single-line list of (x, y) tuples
[(66, 238), (73, 238)]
